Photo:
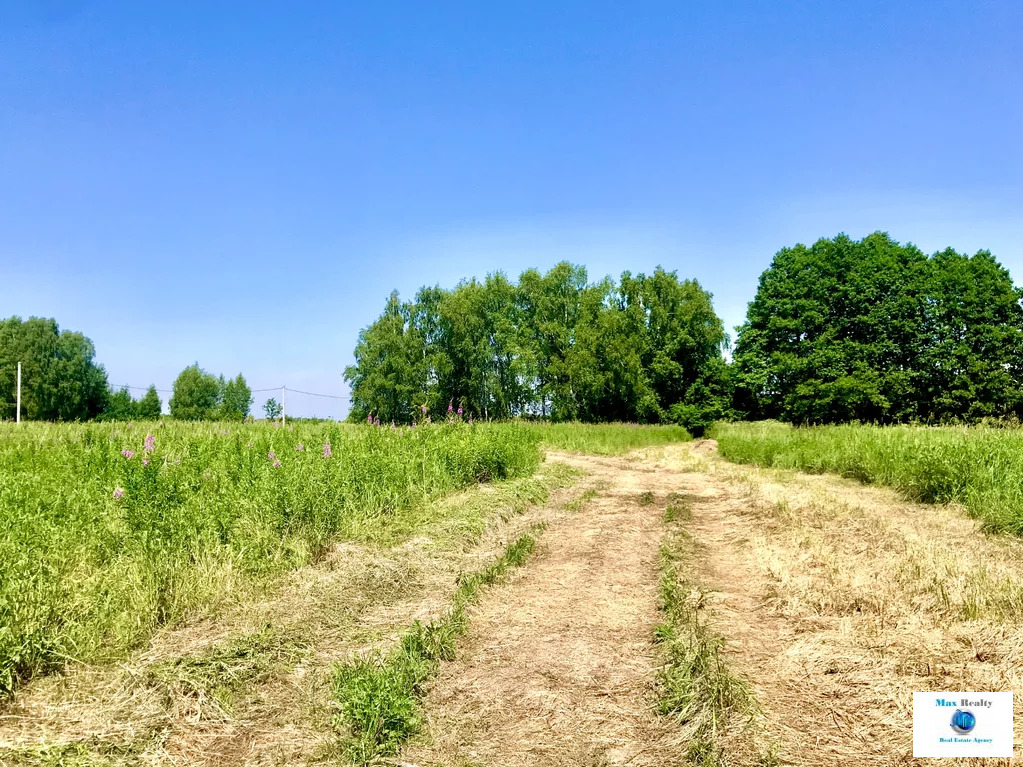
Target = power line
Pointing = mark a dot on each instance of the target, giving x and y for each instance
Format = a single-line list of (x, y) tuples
[(314, 394), (253, 391)]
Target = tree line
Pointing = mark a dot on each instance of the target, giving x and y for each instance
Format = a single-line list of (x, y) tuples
[(61, 381), (645, 348), (842, 330)]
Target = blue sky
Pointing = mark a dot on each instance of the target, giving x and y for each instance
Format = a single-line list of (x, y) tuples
[(242, 184)]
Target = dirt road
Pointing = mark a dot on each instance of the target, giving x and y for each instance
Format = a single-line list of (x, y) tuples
[(558, 666), (836, 601)]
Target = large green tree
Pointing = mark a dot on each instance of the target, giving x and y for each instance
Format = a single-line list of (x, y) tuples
[(196, 395), (235, 398), (972, 350), (551, 306), (681, 352), (60, 378), (389, 374), (120, 406), (150, 407), (873, 330)]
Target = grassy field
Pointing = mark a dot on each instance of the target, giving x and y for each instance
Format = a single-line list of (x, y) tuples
[(981, 468), (604, 439), (269, 598), (110, 531)]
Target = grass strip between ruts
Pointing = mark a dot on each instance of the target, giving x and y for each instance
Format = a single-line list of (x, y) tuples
[(715, 707)]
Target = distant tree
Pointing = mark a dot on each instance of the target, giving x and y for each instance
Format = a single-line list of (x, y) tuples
[(272, 409), (550, 306), (60, 379), (389, 372), (479, 351), (647, 350), (833, 333), (236, 399), (196, 395), (120, 406), (150, 407)]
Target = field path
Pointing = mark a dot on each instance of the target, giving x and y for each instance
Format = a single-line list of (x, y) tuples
[(835, 600), (558, 665)]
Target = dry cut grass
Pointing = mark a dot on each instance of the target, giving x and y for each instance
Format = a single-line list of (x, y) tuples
[(838, 601)]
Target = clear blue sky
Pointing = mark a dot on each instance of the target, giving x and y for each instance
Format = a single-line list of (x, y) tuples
[(242, 184)]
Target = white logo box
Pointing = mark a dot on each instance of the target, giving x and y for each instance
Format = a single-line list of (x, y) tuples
[(935, 735)]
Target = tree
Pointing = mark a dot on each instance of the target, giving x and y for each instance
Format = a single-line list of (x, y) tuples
[(236, 399), (272, 409), (120, 406), (872, 330), (973, 339), (150, 407), (196, 395), (550, 307), (389, 373), (60, 379)]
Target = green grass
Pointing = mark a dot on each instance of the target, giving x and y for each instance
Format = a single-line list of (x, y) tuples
[(604, 439), (979, 467), (92, 752), (98, 548), (695, 686), (379, 699)]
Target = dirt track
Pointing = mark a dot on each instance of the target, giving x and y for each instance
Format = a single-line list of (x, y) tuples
[(836, 602), (558, 666)]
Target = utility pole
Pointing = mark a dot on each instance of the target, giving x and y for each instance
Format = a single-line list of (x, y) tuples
[(17, 417), (284, 405)]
